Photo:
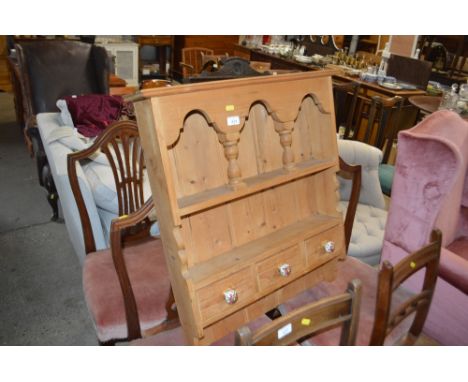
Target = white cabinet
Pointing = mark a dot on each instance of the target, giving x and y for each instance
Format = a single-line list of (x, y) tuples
[(125, 56)]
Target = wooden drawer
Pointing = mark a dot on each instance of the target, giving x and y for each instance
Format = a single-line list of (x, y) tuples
[(211, 298), (315, 246), (268, 269)]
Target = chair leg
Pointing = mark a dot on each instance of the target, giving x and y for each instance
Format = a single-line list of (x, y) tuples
[(52, 196), (172, 319)]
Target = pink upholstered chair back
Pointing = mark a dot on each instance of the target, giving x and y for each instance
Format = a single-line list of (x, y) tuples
[(429, 191), (429, 185)]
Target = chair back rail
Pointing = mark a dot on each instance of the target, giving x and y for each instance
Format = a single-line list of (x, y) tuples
[(382, 126), (345, 95), (391, 277), (313, 318)]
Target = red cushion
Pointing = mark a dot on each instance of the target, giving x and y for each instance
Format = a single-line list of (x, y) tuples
[(150, 283), (92, 113)]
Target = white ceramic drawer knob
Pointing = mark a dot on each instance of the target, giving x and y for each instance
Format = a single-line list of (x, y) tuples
[(284, 270), (329, 246), (230, 296)]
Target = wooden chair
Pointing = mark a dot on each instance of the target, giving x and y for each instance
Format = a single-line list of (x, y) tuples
[(306, 321), (192, 60), (382, 126), (381, 132), (345, 95), (362, 200), (354, 172), (379, 293), (126, 286), (391, 277)]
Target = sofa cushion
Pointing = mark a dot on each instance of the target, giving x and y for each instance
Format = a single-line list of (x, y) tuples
[(65, 115), (368, 232)]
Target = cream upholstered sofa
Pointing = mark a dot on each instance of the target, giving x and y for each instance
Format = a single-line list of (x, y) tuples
[(95, 179), (369, 223)]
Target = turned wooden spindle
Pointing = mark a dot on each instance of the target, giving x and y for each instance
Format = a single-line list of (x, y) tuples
[(231, 152), (285, 132)]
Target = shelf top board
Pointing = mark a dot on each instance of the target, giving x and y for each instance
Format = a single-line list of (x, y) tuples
[(226, 84)]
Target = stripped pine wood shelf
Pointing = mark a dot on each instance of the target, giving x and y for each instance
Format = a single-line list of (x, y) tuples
[(223, 194)]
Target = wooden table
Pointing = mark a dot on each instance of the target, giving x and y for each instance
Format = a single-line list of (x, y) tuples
[(373, 88), (368, 89), (278, 62), (427, 104), (409, 112)]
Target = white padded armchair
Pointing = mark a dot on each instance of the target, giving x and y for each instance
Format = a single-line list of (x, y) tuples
[(369, 223)]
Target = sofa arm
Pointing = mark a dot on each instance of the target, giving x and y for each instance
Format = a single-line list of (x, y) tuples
[(57, 160), (454, 269), (369, 158)]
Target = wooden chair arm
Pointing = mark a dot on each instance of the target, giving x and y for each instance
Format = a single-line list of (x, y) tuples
[(188, 66), (127, 221), (116, 236), (355, 171)]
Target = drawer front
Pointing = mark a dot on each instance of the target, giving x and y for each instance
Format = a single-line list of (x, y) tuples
[(317, 254), (212, 300), (291, 262)]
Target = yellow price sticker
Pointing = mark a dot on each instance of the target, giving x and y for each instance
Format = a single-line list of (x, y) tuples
[(229, 107), (412, 265), (305, 321)]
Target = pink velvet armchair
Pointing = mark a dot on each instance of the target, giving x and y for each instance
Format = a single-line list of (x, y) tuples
[(430, 190)]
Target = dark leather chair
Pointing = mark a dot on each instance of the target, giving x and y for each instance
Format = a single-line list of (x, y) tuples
[(49, 70)]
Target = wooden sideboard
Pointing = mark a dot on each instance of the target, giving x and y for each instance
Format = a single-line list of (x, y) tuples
[(243, 176)]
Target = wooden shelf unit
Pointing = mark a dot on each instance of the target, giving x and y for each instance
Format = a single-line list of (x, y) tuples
[(222, 194), (243, 175)]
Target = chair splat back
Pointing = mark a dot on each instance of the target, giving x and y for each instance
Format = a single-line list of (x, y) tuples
[(391, 277), (345, 96), (384, 113), (121, 145), (125, 155), (309, 320)]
